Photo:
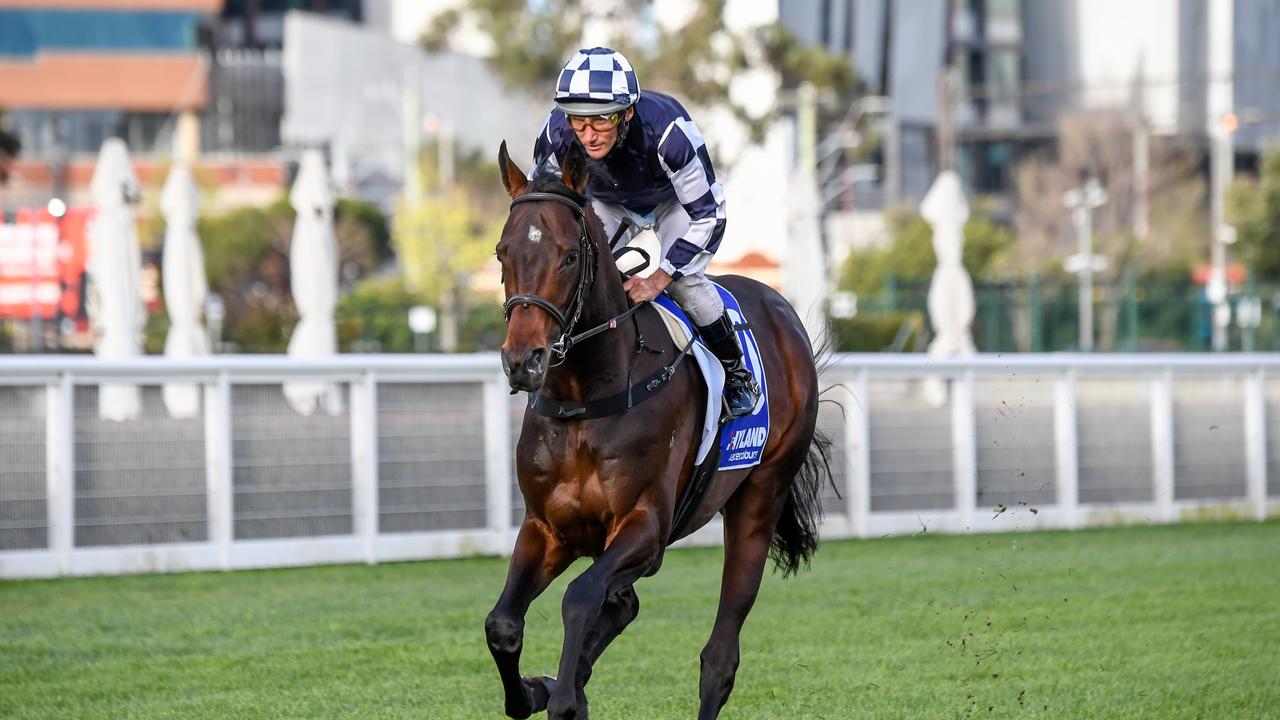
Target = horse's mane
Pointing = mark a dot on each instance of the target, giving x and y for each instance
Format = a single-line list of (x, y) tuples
[(552, 182)]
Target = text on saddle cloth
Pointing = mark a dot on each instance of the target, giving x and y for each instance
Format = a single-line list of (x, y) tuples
[(741, 441)]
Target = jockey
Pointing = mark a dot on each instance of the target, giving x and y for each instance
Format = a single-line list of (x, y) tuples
[(650, 168)]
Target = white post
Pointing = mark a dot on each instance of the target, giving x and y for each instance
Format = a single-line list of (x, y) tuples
[(964, 451), (219, 473), (857, 443), (1255, 442), (364, 463), (1162, 445), (497, 447), (1066, 449), (60, 472)]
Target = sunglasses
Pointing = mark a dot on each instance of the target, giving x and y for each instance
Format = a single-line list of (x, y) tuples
[(599, 123)]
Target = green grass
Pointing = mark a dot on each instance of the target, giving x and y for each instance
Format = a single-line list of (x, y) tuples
[(1148, 622)]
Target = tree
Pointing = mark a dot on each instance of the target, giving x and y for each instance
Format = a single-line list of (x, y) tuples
[(449, 235), (1254, 208), (696, 57), (1102, 144), (909, 254)]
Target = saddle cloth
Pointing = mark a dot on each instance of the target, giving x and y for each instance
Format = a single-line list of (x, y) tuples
[(741, 440)]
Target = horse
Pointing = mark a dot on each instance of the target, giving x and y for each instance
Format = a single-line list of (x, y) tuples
[(604, 481)]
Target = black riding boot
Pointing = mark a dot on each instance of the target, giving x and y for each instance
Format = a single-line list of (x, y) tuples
[(740, 390)]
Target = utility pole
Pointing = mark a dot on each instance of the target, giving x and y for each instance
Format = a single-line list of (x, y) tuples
[(1220, 102), (1082, 201), (1221, 168)]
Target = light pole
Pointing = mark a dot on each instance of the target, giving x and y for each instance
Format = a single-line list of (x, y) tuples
[(1081, 202), (1222, 167)]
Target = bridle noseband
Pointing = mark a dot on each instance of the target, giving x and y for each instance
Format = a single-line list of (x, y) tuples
[(586, 275)]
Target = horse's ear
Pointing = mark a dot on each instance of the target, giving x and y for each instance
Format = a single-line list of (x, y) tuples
[(513, 178), (575, 168)]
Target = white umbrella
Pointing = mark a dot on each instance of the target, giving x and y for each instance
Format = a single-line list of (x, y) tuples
[(114, 265), (951, 291), (313, 278), (185, 286)]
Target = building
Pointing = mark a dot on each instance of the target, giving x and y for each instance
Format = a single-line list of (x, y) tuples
[(990, 78), (75, 72)]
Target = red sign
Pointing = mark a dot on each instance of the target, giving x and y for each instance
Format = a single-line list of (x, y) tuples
[(1235, 273), (42, 264)]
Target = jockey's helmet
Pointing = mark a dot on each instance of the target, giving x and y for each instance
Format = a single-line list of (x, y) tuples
[(597, 81)]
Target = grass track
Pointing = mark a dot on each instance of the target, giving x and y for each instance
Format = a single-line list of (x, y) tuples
[(1145, 622)]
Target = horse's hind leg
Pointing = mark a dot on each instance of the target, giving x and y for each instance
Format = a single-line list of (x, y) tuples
[(750, 518), (535, 562)]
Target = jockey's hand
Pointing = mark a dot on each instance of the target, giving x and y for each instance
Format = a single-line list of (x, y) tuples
[(645, 289)]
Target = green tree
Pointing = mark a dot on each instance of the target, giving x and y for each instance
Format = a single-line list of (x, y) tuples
[(909, 254), (696, 61), (1254, 208)]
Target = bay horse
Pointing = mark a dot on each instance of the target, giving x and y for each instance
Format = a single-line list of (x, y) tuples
[(604, 482)]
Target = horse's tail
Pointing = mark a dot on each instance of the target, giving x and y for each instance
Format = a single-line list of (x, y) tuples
[(795, 539)]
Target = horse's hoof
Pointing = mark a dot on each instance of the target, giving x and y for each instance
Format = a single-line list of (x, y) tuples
[(533, 699), (536, 693)]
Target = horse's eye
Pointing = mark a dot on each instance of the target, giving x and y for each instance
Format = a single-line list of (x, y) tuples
[(570, 258)]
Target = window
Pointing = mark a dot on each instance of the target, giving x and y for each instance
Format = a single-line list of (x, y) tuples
[(26, 32)]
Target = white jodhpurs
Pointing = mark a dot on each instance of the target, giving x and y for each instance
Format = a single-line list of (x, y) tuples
[(692, 291)]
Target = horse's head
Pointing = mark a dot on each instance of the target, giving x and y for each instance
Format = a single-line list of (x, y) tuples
[(548, 264)]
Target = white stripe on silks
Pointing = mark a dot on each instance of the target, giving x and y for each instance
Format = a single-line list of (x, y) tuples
[(690, 181), (662, 140), (690, 131), (717, 192)]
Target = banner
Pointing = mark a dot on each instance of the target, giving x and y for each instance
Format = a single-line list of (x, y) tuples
[(42, 264)]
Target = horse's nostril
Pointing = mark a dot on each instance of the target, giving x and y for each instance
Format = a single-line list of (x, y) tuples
[(533, 361)]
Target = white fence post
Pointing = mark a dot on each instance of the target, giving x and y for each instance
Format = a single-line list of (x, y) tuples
[(60, 471), (364, 463), (1066, 449), (497, 468), (964, 438), (1255, 441), (219, 473), (857, 443), (1162, 445)]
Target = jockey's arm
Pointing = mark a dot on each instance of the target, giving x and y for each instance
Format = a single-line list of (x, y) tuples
[(683, 156)]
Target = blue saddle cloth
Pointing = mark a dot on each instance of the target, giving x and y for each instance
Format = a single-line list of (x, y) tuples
[(741, 441)]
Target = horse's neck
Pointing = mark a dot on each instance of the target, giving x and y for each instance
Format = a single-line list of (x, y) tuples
[(593, 369)]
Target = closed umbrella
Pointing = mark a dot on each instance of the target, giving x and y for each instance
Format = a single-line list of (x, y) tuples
[(114, 265), (185, 286), (313, 278)]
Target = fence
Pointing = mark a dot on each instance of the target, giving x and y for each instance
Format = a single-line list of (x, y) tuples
[(417, 461), (1131, 315)]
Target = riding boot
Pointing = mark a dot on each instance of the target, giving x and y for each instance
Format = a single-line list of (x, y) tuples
[(740, 390)]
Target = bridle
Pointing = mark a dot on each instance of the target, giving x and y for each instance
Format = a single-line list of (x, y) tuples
[(567, 319)]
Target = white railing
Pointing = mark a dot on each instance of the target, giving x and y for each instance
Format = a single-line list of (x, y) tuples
[(919, 446)]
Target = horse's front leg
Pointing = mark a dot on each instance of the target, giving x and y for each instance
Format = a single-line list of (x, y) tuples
[(635, 547), (536, 561)]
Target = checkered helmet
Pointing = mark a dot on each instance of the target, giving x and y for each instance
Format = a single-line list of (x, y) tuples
[(597, 81)]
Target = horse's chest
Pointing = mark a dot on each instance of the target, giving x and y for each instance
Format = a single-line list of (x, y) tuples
[(569, 488)]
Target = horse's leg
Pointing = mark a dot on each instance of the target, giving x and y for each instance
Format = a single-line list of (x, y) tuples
[(634, 549), (616, 614), (750, 517), (535, 562)]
